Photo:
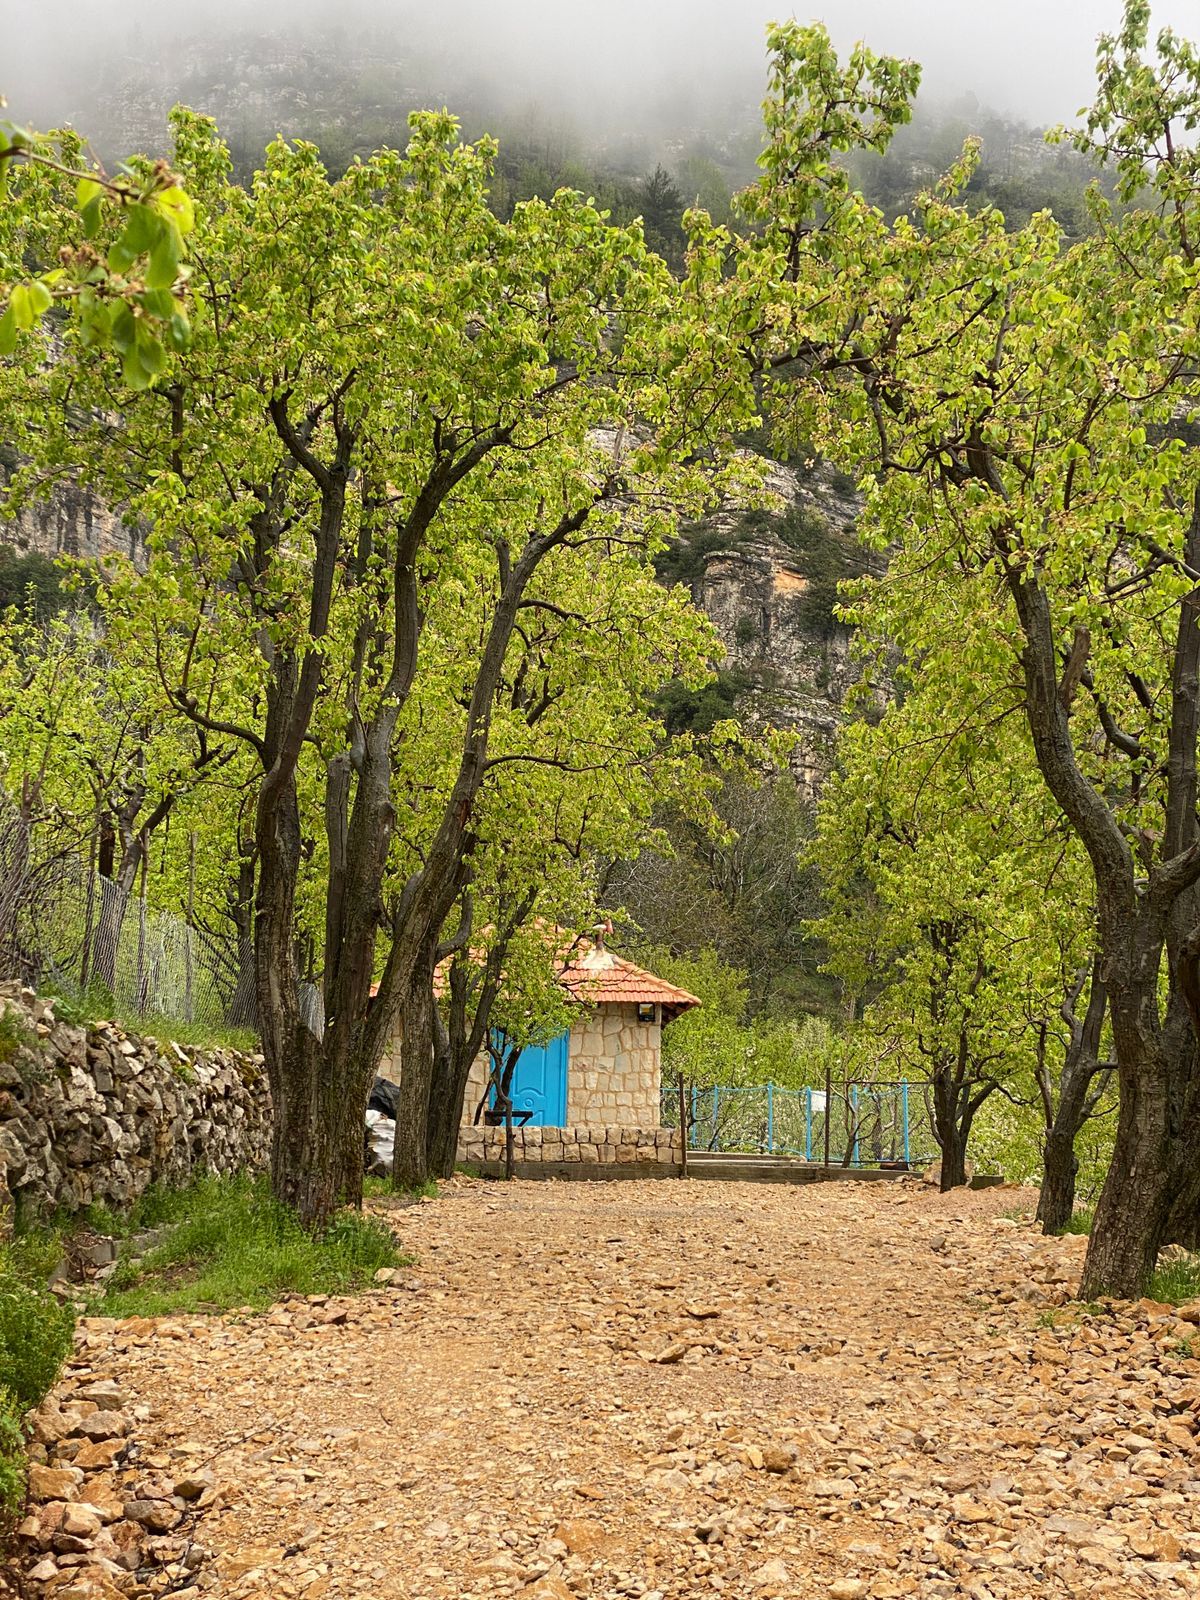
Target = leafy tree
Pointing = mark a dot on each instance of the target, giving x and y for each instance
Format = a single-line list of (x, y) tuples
[(739, 889), (662, 208), (405, 487), (1024, 404), (125, 292)]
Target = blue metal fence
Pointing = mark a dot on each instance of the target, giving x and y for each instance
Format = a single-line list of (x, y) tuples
[(857, 1124)]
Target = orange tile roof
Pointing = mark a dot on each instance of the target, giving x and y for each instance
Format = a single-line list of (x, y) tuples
[(598, 977), (602, 978)]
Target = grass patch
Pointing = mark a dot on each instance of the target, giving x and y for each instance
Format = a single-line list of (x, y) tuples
[(35, 1339), (14, 1034), (86, 1007), (1080, 1221), (200, 1035), (232, 1244), (381, 1189), (1176, 1282)]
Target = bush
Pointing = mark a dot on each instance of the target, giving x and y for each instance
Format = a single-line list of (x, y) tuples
[(14, 1034), (35, 1334), (12, 1462), (1176, 1282), (232, 1244)]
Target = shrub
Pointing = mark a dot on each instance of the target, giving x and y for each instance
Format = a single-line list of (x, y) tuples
[(1176, 1281), (12, 1462), (35, 1334), (14, 1034)]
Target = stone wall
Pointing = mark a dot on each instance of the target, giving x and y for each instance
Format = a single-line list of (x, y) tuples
[(613, 1070), (593, 1151), (97, 1115)]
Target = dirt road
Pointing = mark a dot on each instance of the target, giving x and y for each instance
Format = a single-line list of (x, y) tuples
[(669, 1389)]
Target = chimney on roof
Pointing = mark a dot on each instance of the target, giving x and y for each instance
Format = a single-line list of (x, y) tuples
[(601, 931)]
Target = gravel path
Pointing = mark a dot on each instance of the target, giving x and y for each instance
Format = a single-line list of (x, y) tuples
[(668, 1389)]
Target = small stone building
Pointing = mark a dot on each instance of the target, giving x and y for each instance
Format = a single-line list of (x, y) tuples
[(593, 1095), (607, 1070)]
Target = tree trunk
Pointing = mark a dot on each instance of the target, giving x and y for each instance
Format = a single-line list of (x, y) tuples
[(954, 1160), (410, 1166), (313, 1119), (950, 1128), (1056, 1201), (1145, 1176), (446, 1101)]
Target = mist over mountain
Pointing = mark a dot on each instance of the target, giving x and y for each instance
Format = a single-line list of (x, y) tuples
[(616, 74)]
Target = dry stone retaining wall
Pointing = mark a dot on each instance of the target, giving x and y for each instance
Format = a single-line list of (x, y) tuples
[(97, 1115), (575, 1152)]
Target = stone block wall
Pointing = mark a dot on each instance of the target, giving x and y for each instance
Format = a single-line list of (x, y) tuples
[(97, 1114), (556, 1151), (613, 1074)]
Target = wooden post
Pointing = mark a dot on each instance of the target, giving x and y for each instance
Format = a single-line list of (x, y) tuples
[(683, 1128), (828, 1103), (191, 896), (140, 1000)]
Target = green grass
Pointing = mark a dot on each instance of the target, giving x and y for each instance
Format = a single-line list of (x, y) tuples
[(231, 1244), (1176, 1282), (200, 1035), (35, 1327), (95, 1004), (14, 1034), (381, 1189), (1080, 1221)]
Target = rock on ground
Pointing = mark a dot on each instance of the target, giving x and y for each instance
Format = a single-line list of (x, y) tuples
[(657, 1390)]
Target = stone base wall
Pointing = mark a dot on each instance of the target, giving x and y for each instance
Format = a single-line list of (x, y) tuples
[(551, 1149), (97, 1114)]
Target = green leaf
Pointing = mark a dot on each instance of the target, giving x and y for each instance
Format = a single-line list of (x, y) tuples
[(132, 370), (87, 190), (164, 263), (121, 257), (92, 215), (40, 297), (20, 308), (124, 328), (150, 352), (8, 333), (143, 229), (176, 204)]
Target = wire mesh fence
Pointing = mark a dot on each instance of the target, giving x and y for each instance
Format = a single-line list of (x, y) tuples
[(65, 926), (847, 1124)]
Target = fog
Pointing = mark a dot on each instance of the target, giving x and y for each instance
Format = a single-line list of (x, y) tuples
[(596, 64)]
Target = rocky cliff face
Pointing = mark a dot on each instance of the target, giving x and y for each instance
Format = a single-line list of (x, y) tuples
[(768, 581)]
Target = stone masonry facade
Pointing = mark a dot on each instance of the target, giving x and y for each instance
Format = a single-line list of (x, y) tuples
[(613, 1070)]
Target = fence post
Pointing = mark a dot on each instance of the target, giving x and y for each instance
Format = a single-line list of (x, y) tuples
[(808, 1124), (770, 1118), (684, 1128), (854, 1116), (716, 1126), (904, 1113), (828, 1103), (189, 1003)]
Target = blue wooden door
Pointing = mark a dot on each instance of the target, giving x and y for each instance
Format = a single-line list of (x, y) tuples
[(540, 1083)]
